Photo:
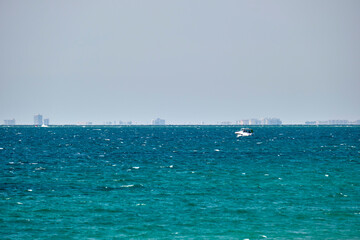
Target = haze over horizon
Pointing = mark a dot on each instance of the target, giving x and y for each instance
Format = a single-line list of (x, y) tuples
[(183, 61)]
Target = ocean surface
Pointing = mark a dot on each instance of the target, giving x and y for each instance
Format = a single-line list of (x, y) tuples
[(179, 182)]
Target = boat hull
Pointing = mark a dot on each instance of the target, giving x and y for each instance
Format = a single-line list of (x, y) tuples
[(243, 134)]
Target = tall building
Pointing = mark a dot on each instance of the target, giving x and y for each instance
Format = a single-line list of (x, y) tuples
[(254, 122), (158, 121), (9, 121), (47, 121), (38, 119), (243, 122), (271, 121), (265, 121)]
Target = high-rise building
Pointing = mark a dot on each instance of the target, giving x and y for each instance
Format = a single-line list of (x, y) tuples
[(46, 121), (243, 122), (254, 122), (38, 119), (9, 121), (158, 121), (271, 121), (265, 121)]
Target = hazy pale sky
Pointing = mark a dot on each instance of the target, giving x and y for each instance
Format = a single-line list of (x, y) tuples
[(184, 61)]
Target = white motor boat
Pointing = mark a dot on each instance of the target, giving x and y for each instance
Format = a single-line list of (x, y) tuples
[(244, 132)]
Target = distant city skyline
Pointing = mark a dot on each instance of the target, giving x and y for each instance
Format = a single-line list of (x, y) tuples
[(39, 120), (184, 61)]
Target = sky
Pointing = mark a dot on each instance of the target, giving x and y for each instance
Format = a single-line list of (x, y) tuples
[(186, 61)]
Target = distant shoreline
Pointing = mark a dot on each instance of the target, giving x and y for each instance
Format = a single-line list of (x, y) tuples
[(170, 125)]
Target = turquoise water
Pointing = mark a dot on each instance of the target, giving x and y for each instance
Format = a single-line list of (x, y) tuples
[(179, 182)]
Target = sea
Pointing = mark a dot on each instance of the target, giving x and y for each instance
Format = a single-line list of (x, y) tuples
[(179, 182)]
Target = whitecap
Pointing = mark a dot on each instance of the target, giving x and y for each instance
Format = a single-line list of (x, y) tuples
[(126, 186), (171, 166), (217, 150), (135, 167), (326, 175), (1, 148), (107, 139), (20, 203), (29, 190)]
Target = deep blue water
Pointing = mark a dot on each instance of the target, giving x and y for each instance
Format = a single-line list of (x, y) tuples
[(179, 182)]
